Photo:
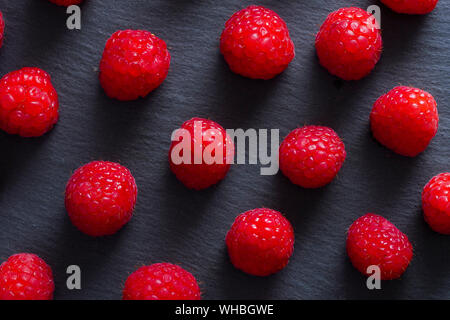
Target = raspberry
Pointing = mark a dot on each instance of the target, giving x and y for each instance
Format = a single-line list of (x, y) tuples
[(373, 240), (134, 63), (205, 174), (411, 6), (256, 44), (2, 29), (312, 156), (405, 120), (161, 281), (100, 197), (260, 242), (349, 43), (436, 203), (28, 103), (66, 3), (25, 276)]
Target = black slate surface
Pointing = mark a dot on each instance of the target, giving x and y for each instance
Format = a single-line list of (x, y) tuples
[(174, 224)]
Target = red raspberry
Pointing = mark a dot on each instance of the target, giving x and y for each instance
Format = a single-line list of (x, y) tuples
[(373, 240), (405, 120), (349, 43), (25, 276), (66, 3), (260, 242), (312, 156), (411, 6), (161, 281), (2, 28), (28, 103), (256, 43), (209, 172), (436, 203), (100, 197), (134, 63)]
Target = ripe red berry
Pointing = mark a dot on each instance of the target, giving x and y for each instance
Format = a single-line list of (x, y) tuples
[(256, 44), (373, 240), (100, 197), (260, 242), (198, 172), (134, 63), (2, 29), (161, 281), (66, 3), (312, 156), (25, 276), (411, 6), (436, 203), (28, 103), (405, 120), (349, 43)]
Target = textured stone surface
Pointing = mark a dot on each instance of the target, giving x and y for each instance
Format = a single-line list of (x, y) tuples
[(177, 225)]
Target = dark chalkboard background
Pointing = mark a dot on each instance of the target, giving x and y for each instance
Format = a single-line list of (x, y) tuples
[(174, 224)]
